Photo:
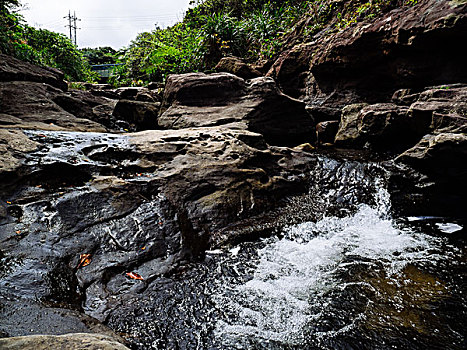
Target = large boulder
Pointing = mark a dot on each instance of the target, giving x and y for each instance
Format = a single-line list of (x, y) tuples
[(291, 69), (237, 67), (33, 97), (196, 99), (96, 207), (442, 155), (391, 126), (369, 60), (32, 105), (138, 94), (442, 159), (373, 59), (139, 115), (13, 69)]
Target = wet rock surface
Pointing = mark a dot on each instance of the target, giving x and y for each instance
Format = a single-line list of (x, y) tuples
[(65, 342), (144, 203)]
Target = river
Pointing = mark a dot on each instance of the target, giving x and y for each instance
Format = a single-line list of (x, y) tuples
[(357, 277)]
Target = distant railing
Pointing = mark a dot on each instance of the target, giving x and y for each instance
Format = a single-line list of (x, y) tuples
[(104, 70)]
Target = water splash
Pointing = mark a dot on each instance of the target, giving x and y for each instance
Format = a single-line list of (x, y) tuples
[(292, 293)]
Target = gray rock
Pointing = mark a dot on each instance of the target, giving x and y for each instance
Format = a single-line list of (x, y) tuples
[(326, 131), (75, 341), (138, 94), (392, 127), (12, 69), (140, 115), (349, 124), (236, 66), (442, 154), (200, 100), (33, 104)]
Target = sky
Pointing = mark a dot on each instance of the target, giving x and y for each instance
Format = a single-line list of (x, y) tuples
[(104, 22)]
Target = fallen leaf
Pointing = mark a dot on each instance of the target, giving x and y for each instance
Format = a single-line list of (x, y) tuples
[(134, 275), (144, 248), (84, 260), (18, 232), (8, 202)]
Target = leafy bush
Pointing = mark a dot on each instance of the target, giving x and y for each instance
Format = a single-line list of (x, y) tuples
[(154, 55), (100, 55), (40, 46), (250, 29)]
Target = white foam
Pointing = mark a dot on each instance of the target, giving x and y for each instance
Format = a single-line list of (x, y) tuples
[(294, 273), (449, 227)]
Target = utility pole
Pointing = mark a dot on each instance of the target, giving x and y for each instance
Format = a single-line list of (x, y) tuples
[(72, 25), (69, 24)]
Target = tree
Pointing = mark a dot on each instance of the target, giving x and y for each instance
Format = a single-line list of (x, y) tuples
[(100, 55)]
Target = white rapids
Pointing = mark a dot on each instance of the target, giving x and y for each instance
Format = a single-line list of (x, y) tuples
[(294, 275)]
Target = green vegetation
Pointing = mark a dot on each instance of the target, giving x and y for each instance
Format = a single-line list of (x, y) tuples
[(255, 30), (100, 55), (40, 46)]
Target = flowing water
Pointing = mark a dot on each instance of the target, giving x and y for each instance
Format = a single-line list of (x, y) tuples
[(355, 278)]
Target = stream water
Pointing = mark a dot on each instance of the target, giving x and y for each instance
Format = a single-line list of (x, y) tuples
[(356, 278)]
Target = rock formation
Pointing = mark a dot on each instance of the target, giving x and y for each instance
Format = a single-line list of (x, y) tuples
[(92, 212)]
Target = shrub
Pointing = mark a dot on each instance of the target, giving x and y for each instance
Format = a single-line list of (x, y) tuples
[(40, 46)]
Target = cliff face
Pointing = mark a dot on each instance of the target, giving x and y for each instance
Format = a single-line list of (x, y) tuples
[(389, 83), (409, 47)]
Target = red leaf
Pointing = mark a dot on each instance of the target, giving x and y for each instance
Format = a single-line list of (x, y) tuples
[(134, 275), (84, 260)]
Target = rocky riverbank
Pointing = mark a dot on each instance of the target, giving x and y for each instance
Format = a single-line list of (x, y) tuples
[(104, 191)]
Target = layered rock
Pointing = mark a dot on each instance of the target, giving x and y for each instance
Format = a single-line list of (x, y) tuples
[(12, 69), (396, 127), (392, 51), (443, 155), (366, 62), (32, 105), (237, 67), (64, 342), (195, 100), (142, 203)]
